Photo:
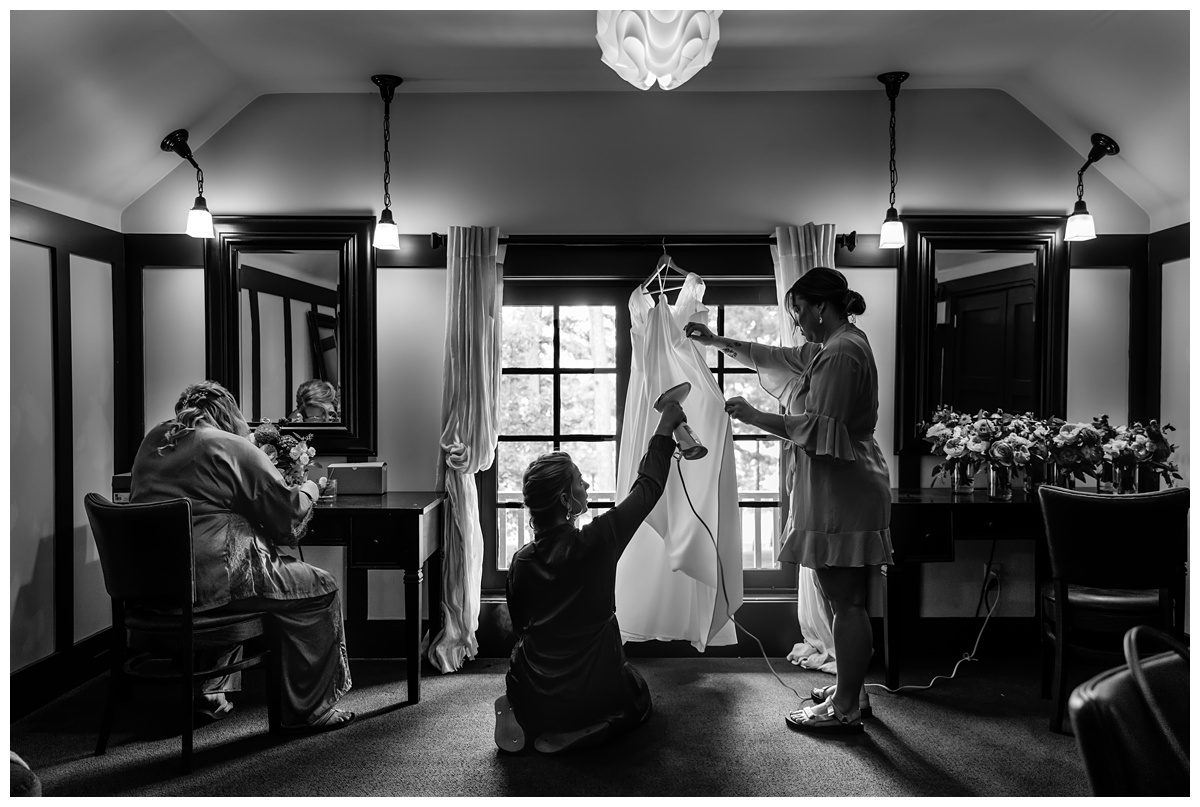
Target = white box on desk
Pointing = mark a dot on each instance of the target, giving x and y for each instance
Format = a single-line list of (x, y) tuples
[(359, 478)]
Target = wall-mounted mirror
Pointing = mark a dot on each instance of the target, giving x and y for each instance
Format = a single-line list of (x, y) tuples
[(982, 320), (291, 305)]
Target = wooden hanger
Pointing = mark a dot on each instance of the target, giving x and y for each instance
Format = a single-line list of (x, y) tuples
[(666, 264)]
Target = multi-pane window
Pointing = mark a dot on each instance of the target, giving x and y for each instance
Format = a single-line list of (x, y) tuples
[(558, 391)]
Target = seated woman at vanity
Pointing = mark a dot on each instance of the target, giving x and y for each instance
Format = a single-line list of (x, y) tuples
[(316, 402), (243, 514)]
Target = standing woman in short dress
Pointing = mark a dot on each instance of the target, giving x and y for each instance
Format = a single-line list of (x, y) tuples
[(841, 496)]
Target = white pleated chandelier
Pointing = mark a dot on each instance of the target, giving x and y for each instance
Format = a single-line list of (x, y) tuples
[(667, 47)]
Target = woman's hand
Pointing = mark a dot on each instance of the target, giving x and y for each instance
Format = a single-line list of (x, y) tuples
[(311, 489), (740, 409), (699, 332), (672, 416)]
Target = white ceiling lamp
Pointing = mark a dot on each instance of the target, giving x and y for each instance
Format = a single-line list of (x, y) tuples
[(891, 234), (667, 47), (1081, 226), (387, 236), (199, 220)]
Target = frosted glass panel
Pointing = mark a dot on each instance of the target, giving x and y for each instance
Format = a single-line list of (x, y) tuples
[(173, 334), (92, 411), (31, 449), (1098, 345)]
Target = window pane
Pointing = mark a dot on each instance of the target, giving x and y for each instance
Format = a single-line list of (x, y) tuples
[(757, 464), (598, 465), (759, 528), (588, 336), (746, 385), (511, 461), (589, 404), (525, 404), (528, 336), (756, 323), (514, 532)]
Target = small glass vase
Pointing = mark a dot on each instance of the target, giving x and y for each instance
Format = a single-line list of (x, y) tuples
[(1124, 479), (1104, 480), (999, 483), (962, 478), (1062, 477)]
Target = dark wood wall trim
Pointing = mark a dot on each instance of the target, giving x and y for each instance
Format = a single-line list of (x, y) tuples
[(39, 683), (142, 250), (63, 237), (1165, 247)]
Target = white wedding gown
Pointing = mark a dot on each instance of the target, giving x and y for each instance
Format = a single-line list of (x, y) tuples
[(669, 582)]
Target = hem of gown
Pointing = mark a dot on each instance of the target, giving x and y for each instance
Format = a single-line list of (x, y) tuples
[(816, 550)]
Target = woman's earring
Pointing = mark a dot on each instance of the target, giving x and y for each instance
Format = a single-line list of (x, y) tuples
[(820, 319)]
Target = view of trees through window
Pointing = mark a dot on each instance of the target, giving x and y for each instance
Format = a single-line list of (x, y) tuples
[(558, 391)]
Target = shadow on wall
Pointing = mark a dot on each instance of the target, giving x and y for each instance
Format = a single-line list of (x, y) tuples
[(31, 625), (93, 609)]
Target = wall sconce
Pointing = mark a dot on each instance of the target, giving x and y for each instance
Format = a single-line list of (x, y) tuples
[(1081, 226), (668, 47), (386, 234), (199, 220), (891, 234)]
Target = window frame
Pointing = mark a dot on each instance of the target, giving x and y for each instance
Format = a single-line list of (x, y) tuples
[(537, 277)]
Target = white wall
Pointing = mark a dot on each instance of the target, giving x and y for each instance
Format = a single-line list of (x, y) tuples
[(630, 162), (31, 447), (1098, 345), (173, 336), (1176, 361)]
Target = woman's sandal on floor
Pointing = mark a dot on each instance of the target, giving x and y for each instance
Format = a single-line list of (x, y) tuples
[(822, 694), (825, 719), (332, 719), (509, 735), (213, 709)]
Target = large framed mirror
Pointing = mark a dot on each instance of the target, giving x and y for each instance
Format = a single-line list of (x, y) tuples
[(982, 321), (291, 314)]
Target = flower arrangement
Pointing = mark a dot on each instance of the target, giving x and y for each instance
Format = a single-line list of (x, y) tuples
[(997, 439), (1130, 446), (954, 436), (1076, 448), (291, 454)]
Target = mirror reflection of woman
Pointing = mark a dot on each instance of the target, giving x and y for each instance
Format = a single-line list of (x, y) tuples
[(316, 402), (841, 490)]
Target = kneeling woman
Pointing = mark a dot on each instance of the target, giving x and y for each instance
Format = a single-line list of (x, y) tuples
[(568, 683)]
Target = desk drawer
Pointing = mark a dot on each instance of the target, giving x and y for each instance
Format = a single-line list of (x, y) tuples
[(1000, 521), (376, 543), (921, 533)]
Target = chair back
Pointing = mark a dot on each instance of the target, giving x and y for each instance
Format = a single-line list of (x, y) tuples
[(145, 550), (1133, 541)]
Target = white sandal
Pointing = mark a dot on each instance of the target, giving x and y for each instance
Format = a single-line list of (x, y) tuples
[(825, 719), (822, 694)]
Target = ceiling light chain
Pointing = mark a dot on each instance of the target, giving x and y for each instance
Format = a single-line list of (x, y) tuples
[(387, 156), (891, 233), (1080, 225), (892, 150), (199, 220), (387, 236)]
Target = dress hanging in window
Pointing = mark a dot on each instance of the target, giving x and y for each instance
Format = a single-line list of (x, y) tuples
[(669, 582)]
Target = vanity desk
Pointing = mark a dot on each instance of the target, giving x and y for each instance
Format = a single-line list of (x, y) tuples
[(926, 523)]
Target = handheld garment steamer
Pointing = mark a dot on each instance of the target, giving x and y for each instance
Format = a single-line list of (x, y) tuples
[(689, 445)]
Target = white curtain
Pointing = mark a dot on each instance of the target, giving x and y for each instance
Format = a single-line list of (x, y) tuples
[(796, 251), (471, 383)]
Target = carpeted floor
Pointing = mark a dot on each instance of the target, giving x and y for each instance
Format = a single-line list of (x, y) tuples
[(717, 730)]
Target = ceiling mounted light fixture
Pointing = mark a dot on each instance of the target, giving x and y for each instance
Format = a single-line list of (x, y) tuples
[(891, 234), (386, 234), (1081, 226), (667, 47), (199, 220)]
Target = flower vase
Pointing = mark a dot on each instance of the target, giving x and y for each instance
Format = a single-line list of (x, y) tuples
[(1063, 477), (1124, 479), (962, 478), (1104, 481), (999, 483)]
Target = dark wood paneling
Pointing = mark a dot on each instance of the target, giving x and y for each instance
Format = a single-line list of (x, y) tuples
[(415, 252), (37, 684)]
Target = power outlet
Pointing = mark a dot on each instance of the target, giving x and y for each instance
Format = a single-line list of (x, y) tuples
[(996, 569)]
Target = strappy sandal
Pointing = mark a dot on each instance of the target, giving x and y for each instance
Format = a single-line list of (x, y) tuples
[(509, 735), (331, 720), (825, 720), (212, 710), (822, 694)]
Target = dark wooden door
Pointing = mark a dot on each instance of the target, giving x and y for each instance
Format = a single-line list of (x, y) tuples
[(991, 363)]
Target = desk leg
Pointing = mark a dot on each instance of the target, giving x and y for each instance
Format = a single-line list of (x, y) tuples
[(412, 631), (891, 673), (902, 598)]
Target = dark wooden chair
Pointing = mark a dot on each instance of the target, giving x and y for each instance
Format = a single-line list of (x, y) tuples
[(149, 572), (1116, 562)]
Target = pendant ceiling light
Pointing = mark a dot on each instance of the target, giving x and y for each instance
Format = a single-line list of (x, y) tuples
[(891, 234), (199, 220), (667, 47), (386, 234), (1081, 226)]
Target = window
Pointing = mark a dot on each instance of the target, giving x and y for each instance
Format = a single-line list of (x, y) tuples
[(565, 369)]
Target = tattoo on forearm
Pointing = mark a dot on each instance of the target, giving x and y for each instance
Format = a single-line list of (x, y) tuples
[(731, 348)]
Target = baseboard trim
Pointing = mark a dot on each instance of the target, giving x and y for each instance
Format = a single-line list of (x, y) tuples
[(37, 684)]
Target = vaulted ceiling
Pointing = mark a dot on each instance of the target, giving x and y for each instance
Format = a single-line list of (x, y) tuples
[(92, 92)]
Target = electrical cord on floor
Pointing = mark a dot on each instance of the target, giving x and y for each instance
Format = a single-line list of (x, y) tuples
[(721, 577), (966, 656)]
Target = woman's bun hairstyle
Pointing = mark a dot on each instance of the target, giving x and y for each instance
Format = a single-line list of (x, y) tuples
[(853, 302)]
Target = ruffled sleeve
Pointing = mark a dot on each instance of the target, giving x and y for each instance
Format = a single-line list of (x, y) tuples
[(780, 368), (836, 386)]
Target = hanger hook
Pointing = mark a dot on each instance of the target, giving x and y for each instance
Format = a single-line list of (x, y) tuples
[(664, 245)]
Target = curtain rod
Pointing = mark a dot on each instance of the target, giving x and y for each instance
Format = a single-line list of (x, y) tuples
[(841, 241)]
